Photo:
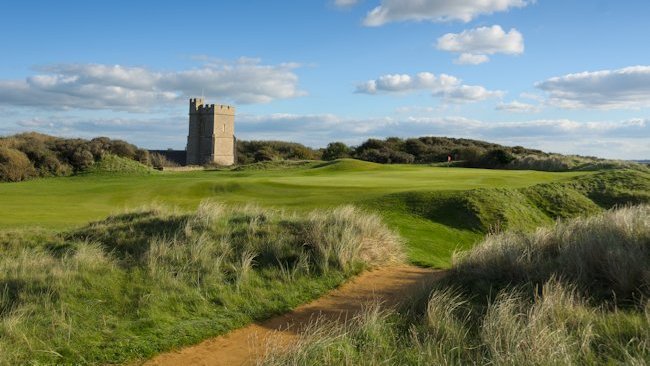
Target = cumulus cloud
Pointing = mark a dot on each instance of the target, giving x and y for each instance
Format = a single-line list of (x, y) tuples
[(116, 87), (437, 10), (518, 107), (448, 87), (626, 88), (475, 44)]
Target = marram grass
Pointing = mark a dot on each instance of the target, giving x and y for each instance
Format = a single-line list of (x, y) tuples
[(147, 280), (535, 299)]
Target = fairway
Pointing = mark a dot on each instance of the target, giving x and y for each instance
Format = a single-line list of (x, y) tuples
[(63, 203)]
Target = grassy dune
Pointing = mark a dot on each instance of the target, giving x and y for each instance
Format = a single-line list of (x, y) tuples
[(141, 282), (573, 294)]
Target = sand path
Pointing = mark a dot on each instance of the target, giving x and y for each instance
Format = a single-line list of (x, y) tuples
[(390, 286)]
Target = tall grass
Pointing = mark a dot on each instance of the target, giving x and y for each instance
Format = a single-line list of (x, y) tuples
[(574, 294), (143, 281), (606, 256), (561, 163)]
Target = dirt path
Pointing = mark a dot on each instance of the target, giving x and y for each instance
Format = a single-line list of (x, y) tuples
[(243, 346)]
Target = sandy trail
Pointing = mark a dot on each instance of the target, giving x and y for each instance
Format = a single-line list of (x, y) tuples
[(390, 286)]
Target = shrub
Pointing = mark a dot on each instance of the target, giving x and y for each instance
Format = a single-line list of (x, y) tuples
[(14, 165), (336, 150), (81, 159), (496, 158), (123, 149), (256, 151), (375, 155), (54, 156), (142, 156), (159, 161)]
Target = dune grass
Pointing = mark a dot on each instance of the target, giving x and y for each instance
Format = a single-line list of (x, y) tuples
[(144, 281), (573, 294)]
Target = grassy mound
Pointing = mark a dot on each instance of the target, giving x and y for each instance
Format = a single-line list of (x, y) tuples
[(576, 293), (276, 165), (110, 163), (438, 223), (495, 209), (138, 283), (342, 165)]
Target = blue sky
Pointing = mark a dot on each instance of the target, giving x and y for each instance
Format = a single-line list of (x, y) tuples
[(565, 76)]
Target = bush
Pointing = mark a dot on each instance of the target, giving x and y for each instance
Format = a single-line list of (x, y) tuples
[(54, 156), (375, 155), (14, 165), (255, 151), (123, 149), (336, 150), (159, 161), (496, 158)]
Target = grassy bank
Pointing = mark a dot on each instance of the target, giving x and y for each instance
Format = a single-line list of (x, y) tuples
[(145, 281), (575, 293), (437, 223)]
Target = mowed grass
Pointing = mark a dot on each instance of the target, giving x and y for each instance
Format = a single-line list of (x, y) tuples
[(63, 203)]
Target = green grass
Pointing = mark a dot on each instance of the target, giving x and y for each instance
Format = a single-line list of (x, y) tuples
[(63, 203), (113, 164), (414, 200)]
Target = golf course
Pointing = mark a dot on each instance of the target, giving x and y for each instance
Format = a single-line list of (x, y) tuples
[(110, 266), (63, 203)]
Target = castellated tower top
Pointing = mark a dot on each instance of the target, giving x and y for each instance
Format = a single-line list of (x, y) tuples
[(197, 106), (211, 137)]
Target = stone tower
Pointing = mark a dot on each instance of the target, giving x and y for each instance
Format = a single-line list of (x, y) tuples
[(211, 138)]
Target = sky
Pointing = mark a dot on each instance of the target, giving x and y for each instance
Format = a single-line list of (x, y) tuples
[(566, 76)]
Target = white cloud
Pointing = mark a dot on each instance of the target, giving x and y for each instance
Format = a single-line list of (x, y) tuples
[(475, 44), (471, 59), (98, 86), (437, 10), (518, 107), (532, 96), (448, 87), (626, 88), (345, 3)]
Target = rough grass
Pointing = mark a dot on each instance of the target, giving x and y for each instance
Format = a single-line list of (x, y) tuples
[(145, 281), (115, 164), (607, 257), (574, 294)]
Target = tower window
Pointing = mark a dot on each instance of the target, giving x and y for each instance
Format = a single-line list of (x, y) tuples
[(223, 128)]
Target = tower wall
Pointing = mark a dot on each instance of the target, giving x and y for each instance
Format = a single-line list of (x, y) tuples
[(211, 137)]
